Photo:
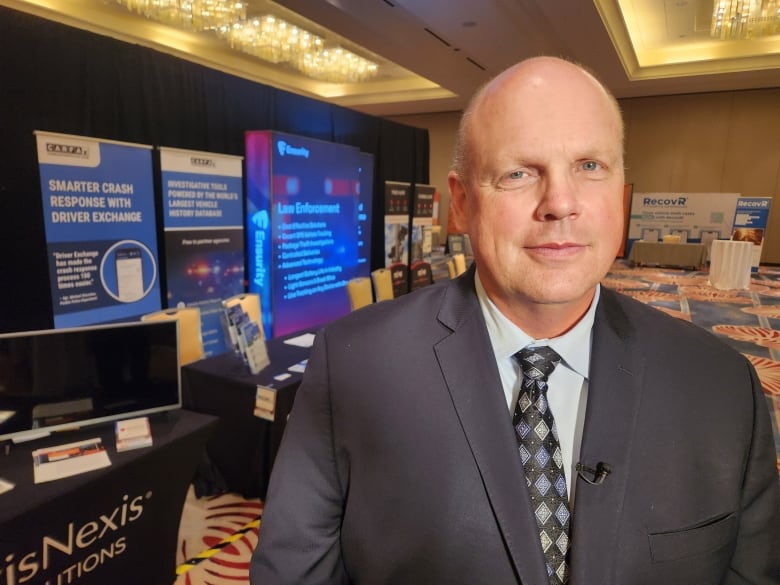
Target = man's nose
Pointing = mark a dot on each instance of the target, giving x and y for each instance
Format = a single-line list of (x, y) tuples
[(559, 198)]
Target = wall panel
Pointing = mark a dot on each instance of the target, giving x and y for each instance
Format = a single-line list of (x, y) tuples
[(721, 142)]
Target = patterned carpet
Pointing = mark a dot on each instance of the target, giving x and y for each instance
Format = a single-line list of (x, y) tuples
[(217, 535), (216, 538), (749, 320)]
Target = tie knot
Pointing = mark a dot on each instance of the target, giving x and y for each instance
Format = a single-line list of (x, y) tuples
[(537, 362)]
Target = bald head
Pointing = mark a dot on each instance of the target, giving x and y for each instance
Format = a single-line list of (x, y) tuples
[(538, 75), (538, 186)]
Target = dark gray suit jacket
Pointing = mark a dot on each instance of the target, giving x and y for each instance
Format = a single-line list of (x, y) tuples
[(399, 464)]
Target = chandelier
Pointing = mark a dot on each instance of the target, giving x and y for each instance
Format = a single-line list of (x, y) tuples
[(197, 15), (276, 40), (745, 19), (268, 37)]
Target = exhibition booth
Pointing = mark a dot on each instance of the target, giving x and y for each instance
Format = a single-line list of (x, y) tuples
[(195, 231), (120, 519), (698, 231), (127, 196)]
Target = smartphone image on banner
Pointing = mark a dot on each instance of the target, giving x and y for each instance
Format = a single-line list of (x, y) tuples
[(129, 274)]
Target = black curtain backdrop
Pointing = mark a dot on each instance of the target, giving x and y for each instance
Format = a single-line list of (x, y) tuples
[(61, 79)]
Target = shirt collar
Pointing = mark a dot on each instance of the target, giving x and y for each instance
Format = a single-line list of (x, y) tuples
[(507, 338)]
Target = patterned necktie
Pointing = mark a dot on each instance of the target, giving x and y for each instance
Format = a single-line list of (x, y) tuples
[(537, 439)]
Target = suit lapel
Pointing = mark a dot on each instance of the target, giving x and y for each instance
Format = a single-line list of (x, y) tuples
[(614, 392), (469, 368)]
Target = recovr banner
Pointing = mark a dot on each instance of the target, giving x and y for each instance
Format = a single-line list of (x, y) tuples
[(98, 205), (750, 221), (695, 217)]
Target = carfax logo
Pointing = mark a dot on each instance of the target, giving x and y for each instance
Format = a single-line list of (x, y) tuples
[(286, 149), (67, 150), (69, 546), (202, 162)]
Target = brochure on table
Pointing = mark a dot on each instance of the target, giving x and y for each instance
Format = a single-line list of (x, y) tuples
[(247, 337), (70, 459), (133, 433), (265, 397)]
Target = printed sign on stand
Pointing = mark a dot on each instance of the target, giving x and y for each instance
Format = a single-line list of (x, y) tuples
[(308, 225), (750, 222), (398, 197), (420, 273), (204, 235), (99, 218)]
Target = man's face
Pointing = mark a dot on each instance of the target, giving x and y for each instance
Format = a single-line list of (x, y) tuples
[(543, 196)]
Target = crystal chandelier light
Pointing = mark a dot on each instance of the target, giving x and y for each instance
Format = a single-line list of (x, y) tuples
[(278, 41), (268, 37), (745, 19), (197, 15)]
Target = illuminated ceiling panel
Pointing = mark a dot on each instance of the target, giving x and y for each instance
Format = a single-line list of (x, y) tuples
[(112, 18), (672, 38)]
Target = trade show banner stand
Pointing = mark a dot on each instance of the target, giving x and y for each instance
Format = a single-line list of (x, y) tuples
[(420, 272), (695, 217), (99, 218), (307, 220), (750, 221), (398, 196), (202, 195)]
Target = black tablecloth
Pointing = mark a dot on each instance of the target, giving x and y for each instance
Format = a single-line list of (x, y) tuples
[(118, 524), (668, 254), (242, 449)]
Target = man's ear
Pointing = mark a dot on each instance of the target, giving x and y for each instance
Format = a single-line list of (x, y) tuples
[(457, 201)]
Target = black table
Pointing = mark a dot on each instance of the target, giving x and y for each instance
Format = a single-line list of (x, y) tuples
[(118, 524), (242, 449)]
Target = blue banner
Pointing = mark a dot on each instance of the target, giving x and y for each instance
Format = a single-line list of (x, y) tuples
[(98, 205), (204, 236), (750, 220), (308, 217)]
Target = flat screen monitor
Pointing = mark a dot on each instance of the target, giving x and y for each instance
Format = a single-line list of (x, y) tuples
[(58, 379)]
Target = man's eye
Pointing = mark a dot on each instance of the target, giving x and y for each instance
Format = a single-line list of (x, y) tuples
[(591, 165), (518, 179), (523, 174)]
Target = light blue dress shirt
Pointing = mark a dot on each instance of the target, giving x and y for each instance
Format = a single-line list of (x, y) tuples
[(567, 391)]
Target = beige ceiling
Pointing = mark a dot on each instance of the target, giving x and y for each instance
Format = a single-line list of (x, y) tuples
[(434, 53)]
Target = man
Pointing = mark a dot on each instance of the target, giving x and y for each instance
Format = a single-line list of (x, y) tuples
[(404, 458)]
